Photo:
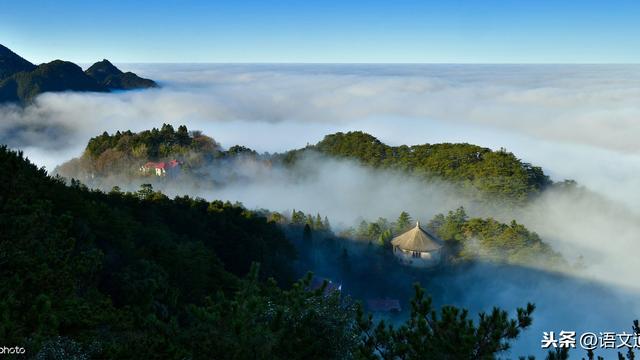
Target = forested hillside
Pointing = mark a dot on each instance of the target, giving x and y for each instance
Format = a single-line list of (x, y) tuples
[(498, 175), (491, 240), (465, 239), (123, 153), (57, 75), (120, 269), (479, 173), (92, 275)]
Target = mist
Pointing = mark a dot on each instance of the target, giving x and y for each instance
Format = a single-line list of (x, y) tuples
[(576, 121)]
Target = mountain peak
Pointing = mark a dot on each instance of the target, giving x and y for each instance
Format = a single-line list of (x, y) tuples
[(11, 63), (102, 70), (21, 81), (104, 63), (4, 50), (108, 75)]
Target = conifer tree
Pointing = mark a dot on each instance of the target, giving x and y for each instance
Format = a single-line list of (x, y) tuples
[(326, 224), (318, 223), (403, 222)]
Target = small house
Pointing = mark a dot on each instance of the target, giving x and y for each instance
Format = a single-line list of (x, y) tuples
[(417, 247), (160, 168)]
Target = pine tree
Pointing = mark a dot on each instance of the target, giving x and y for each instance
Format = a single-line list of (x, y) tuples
[(297, 217), (373, 231), (403, 222), (326, 225), (183, 135), (318, 223), (363, 230), (276, 217), (146, 190), (445, 334), (385, 238)]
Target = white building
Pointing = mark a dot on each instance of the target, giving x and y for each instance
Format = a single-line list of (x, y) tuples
[(418, 248), (160, 168)]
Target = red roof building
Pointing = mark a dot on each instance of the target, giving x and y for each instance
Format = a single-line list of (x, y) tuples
[(159, 168)]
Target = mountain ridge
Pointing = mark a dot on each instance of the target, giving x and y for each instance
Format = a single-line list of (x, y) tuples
[(12, 63), (21, 81), (481, 172)]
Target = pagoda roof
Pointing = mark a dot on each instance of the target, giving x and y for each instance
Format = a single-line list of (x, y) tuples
[(417, 239)]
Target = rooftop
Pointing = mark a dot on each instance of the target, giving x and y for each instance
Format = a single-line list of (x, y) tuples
[(162, 165), (417, 239)]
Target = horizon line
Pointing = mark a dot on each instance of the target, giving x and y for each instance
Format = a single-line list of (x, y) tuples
[(357, 63)]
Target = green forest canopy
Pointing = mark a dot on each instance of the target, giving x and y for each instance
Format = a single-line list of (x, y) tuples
[(118, 268), (485, 175), (465, 238), (496, 174), (124, 152), (88, 274)]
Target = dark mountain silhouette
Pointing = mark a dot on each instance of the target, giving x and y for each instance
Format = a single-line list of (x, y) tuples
[(21, 81), (57, 75), (106, 74), (11, 63), (103, 70)]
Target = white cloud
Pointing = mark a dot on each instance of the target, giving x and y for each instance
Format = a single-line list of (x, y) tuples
[(578, 122)]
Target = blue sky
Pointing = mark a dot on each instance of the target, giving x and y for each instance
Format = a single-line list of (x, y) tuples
[(472, 31)]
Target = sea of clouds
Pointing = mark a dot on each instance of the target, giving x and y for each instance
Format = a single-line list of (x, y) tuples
[(578, 122)]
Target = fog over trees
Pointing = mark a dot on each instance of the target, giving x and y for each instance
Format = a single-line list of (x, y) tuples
[(119, 260)]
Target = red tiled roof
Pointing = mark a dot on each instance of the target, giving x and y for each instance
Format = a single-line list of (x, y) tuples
[(162, 165)]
